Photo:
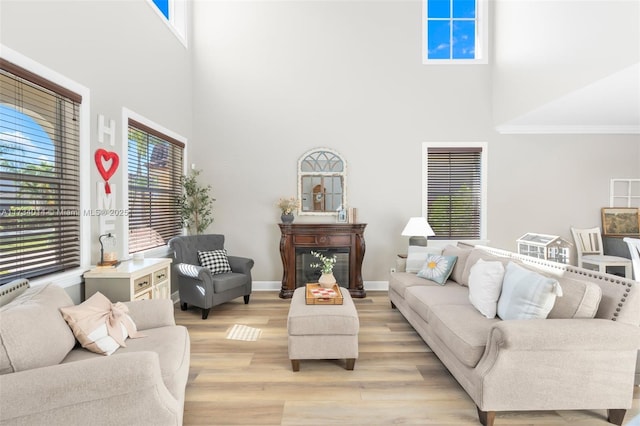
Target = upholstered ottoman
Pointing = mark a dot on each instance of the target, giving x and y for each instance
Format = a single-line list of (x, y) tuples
[(322, 331)]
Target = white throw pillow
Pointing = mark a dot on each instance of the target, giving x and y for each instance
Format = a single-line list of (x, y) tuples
[(485, 284), (526, 294), (417, 255)]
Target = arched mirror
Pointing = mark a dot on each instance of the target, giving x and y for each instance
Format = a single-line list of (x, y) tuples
[(322, 187)]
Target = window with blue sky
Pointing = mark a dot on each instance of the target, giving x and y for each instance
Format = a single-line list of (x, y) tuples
[(173, 13), (454, 31)]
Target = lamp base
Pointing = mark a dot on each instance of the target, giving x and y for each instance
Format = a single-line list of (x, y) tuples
[(418, 241), (108, 263)]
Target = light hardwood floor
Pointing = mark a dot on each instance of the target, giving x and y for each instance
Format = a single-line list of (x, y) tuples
[(396, 380)]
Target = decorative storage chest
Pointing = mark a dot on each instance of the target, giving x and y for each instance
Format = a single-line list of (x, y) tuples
[(542, 246)]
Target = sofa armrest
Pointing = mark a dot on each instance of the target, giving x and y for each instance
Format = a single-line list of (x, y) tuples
[(241, 265), (151, 313), (558, 335), (194, 272), (118, 389)]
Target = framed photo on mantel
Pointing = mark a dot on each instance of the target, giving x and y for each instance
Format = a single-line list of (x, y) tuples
[(620, 221)]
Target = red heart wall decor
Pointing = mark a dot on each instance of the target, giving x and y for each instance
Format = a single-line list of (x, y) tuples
[(102, 156)]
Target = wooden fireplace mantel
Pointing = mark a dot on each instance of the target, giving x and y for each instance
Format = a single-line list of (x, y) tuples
[(322, 235)]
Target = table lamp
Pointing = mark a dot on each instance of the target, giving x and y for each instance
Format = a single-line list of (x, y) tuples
[(418, 229), (108, 258)]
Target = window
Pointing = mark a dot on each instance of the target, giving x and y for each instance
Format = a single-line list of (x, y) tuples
[(174, 13), (154, 165), (39, 175), (455, 31), (454, 187)]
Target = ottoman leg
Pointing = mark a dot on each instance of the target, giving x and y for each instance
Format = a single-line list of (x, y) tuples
[(295, 364), (351, 362)]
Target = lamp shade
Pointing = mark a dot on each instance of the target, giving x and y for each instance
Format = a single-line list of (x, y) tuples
[(418, 227)]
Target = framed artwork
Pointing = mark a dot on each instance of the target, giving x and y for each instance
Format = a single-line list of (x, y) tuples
[(620, 221), (342, 216)]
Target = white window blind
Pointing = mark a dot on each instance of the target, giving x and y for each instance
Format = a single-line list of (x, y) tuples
[(155, 168), (454, 192), (39, 175)]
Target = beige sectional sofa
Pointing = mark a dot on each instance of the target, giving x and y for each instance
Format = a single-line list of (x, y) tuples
[(582, 356), (47, 379)]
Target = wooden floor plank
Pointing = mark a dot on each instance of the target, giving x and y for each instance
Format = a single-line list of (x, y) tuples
[(396, 380)]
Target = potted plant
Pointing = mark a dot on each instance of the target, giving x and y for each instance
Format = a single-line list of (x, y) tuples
[(326, 264), (287, 208), (195, 204)]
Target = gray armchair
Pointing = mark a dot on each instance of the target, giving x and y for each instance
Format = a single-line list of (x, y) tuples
[(197, 286)]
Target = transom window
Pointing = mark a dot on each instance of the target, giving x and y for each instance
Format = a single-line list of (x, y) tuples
[(454, 190), (455, 31), (39, 175), (174, 13), (155, 166)]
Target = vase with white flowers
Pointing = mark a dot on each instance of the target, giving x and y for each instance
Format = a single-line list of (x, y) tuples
[(326, 264), (287, 207)]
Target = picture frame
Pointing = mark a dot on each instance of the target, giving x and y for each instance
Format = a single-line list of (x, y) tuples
[(620, 221), (342, 216)]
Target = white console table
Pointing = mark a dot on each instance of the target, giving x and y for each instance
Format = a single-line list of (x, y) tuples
[(131, 280)]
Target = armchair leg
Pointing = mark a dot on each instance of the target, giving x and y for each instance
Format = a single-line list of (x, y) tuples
[(486, 417), (616, 416), (246, 299), (205, 313), (183, 306)]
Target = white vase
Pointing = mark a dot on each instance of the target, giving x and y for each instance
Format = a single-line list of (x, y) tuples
[(327, 280)]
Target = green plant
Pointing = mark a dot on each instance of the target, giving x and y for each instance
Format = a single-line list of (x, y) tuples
[(326, 263), (195, 204)]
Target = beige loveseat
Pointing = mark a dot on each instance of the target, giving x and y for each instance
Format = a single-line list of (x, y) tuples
[(47, 379), (567, 361)]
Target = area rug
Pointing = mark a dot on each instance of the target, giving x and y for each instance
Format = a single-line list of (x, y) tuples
[(243, 332)]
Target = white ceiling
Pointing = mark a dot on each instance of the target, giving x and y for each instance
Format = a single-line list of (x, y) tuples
[(610, 105)]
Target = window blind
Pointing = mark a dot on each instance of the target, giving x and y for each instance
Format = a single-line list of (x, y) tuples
[(39, 175), (155, 167), (454, 191)]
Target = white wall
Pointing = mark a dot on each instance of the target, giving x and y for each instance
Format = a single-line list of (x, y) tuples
[(127, 58), (547, 49), (277, 78)]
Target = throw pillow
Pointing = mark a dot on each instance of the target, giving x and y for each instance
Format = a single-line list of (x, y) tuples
[(215, 260), (526, 294), (437, 268), (462, 254), (99, 325), (417, 255), (485, 284)]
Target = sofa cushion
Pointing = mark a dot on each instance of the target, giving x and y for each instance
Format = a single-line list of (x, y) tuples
[(462, 329), (224, 282), (526, 294), (33, 332), (474, 255), (400, 281), (215, 260), (99, 325), (421, 298), (171, 343), (463, 255), (437, 268), (580, 299), (485, 285), (417, 255)]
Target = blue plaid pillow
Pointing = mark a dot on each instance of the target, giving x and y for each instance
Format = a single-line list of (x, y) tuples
[(215, 260)]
